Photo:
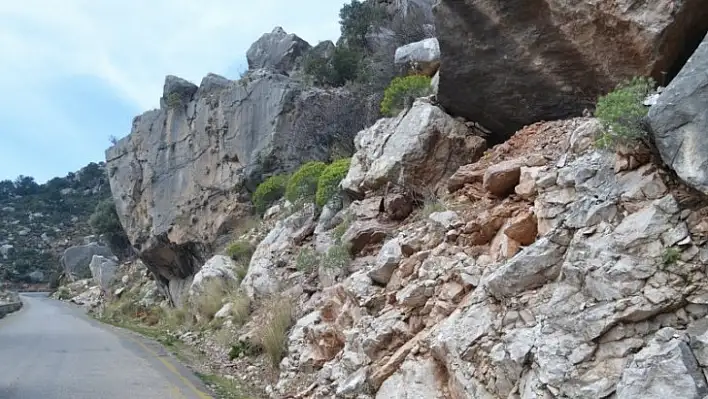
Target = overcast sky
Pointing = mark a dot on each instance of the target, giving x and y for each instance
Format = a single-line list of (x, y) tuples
[(75, 72)]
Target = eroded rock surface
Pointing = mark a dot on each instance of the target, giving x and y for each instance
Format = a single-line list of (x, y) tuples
[(553, 58)]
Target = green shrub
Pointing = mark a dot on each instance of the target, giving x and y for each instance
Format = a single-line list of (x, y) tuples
[(268, 192), (328, 183), (621, 112), (307, 260), (240, 251), (671, 255), (343, 67), (303, 183), (400, 89), (356, 18), (337, 257)]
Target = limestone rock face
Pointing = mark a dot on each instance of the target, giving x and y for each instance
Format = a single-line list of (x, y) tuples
[(509, 64), (679, 121), (183, 175)]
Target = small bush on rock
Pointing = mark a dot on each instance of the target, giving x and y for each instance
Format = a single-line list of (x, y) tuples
[(303, 183), (328, 183), (240, 251), (307, 260), (621, 112), (268, 192), (401, 89)]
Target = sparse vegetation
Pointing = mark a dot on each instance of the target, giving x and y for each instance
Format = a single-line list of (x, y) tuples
[(670, 256), (401, 89), (268, 192), (173, 100), (226, 388), (621, 112), (240, 251), (303, 183), (307, 260), (207, 303), (342, 228), (336, 258), (328, 183), (274, 331)]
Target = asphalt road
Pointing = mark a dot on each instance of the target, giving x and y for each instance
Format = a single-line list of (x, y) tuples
[(51, 350)]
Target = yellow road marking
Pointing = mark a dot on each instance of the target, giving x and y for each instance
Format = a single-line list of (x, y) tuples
[(173, 369)]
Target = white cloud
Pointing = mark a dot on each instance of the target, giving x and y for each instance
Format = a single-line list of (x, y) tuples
[(133, 44)]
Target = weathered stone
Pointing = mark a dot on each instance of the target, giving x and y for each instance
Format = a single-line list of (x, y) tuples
[(386, 262), (666, 367), (500, 179), (447, 219), (523, 228), (363, 233), (415, 150), (572, 52), (76, 260), (466, 174), (420, 57), (398, 206), (678, 121), (533, 267), (262, 278), (415, 379), (276, 50), (102, 270)]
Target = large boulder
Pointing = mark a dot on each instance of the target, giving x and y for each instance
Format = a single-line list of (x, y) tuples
[(679, 121), (182, 176), (415, 150), (76, 260), (509, 64), (422, 57), (276, 50), (102, 270)]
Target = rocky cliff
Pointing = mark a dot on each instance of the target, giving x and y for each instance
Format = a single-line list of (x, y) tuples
[(183, 175)]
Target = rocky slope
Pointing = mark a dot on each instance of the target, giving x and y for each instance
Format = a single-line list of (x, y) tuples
[(542, 267), (38, 222)]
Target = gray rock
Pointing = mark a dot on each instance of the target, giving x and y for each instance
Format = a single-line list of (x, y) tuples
[(538, 52), (386, 262), (276, 50), (678, 121), (177, 91), (415, 379), (665, 368), (182, 177), (415, 150), (537, 265), (447, 219), (76, 260), (262, 278), (422, 57), (102, 270), (219, 268)]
